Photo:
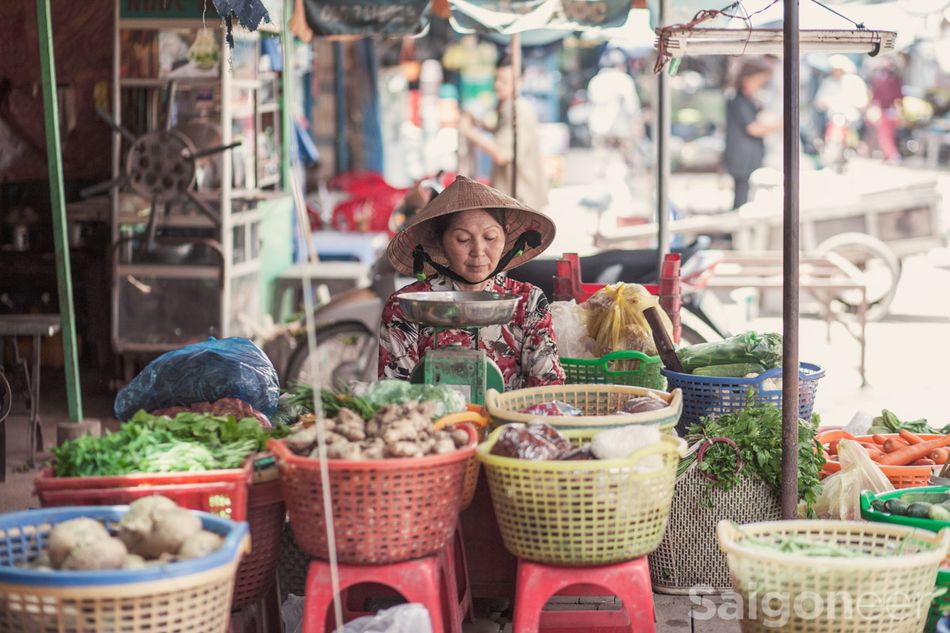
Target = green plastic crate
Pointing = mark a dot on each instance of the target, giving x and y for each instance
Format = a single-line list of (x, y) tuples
[(630, 368), (943, 577)]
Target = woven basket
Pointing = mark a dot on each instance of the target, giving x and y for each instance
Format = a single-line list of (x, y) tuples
[(888, 591), (266, 515), (384, 510), (689, 555), (192, 596), (598, 404), (581, 512)]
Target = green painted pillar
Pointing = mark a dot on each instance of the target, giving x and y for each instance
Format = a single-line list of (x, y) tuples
[(54, 159)]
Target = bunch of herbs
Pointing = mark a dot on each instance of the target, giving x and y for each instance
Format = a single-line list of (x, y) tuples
[(757, 432)]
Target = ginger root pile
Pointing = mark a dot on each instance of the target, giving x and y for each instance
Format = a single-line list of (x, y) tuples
[(396, 430)]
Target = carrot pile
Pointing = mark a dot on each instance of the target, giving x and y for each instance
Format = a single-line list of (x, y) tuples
[(903, 449)]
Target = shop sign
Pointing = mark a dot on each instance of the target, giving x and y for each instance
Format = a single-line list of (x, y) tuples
[(367, 17)]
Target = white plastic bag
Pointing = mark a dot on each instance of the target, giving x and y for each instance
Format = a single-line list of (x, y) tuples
[(841, 492), (403, 618), (570, 329)]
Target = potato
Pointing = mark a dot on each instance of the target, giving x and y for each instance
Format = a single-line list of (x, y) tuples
[(65, 536), (199, 544), (108, 553), (133, 561), (170, 530)]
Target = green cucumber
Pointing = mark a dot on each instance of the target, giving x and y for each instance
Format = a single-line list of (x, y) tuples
[(896, 507), (731, 370), (919, 510)]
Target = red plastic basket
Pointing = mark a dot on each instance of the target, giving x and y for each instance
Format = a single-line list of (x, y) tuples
[(266, 514), (221, 492), (384, 510), (568, 285)]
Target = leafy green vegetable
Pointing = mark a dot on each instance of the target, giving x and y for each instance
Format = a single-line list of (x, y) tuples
[(377, 394), (154, 444), (301, 394), (757, 432), (887, 422), (750, 347)]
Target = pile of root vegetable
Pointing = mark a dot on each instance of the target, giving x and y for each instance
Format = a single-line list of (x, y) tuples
[(154, 531), (394, 430)]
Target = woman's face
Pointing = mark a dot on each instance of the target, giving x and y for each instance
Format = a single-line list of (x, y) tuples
[(473, 243)]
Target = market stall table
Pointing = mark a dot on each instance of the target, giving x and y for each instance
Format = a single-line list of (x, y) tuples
[(36, 326), (338, 276), (824, 277)]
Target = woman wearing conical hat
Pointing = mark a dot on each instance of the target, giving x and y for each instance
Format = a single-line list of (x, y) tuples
[(465, 239)]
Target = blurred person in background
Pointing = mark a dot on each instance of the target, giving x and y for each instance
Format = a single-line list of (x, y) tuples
[(842, 95), (532, 181), (886, 95), (747, 125), (615, 119)]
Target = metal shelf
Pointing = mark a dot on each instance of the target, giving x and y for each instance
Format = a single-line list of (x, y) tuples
[(169, 271)]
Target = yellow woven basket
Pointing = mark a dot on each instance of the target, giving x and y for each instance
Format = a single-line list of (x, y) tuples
[(888, 591), (598, 403), (582, 512)]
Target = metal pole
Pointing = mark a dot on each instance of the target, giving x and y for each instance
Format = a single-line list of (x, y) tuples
[(339, 83), (516, 91), (54, 161), (662, 135), (790, 266)]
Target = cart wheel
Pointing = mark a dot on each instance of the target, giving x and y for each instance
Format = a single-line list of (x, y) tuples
[(882, 270), (6, 397), (346, 352)]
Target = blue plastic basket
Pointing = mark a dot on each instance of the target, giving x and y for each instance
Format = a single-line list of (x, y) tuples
[(705, 396), (193, 595)]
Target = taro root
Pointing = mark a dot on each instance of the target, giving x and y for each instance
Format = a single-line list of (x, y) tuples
[(66, 536)]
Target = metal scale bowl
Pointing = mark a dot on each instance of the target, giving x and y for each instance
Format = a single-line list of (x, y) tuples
[(469, 371)]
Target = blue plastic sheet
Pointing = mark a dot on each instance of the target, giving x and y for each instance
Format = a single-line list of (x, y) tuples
[(204, 372)]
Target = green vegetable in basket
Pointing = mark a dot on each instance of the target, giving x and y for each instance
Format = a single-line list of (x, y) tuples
[(750, 347), (895, 506), (887, 422), (153, 444), (919, 510), (732, 370), (757, 432)]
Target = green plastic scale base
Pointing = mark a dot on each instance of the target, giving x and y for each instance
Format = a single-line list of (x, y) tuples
[(468, 371)]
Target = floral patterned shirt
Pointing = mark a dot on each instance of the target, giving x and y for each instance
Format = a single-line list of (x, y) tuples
[(524, 349)]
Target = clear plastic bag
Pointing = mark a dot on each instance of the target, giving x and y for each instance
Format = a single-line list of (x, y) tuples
[(403, 618), (570, 330), (203, 372), (841, 492)]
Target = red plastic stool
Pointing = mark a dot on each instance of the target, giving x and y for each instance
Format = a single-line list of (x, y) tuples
[(458, 567), (424, 580), (629, 581)]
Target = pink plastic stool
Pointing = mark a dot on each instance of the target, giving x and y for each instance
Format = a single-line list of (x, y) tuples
[(629, 581), (424, 580)]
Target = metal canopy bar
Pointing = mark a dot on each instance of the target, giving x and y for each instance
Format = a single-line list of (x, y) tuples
[(663, 156), (790, 261), (679, 42), (54, 161)]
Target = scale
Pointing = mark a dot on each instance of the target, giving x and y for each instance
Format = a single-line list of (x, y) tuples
[(469, 371)]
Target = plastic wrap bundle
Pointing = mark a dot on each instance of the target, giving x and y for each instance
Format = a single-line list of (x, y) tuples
[(570, 329), (615, 319), (203, 372)]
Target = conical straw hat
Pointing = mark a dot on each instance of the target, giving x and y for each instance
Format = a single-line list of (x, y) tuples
[(462, 195)]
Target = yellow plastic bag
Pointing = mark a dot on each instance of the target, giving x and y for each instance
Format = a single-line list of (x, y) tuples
[(616, 322), (841, 492)]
